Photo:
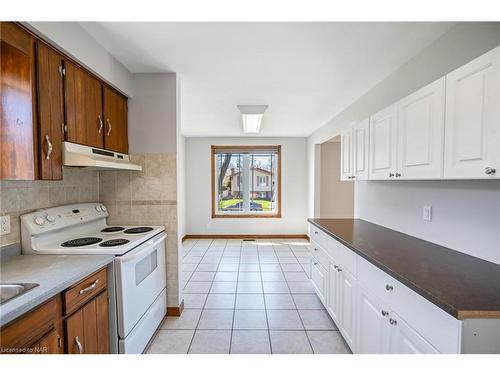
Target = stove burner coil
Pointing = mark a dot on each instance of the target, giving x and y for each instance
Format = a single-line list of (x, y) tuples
[(115, 242), (84, 241), (137, 230), (112, 229)]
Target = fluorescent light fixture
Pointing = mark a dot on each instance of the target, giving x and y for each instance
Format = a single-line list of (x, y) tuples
[(252, 117)]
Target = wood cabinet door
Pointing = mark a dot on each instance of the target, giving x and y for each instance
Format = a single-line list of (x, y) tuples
[(346, 154), (360, 134), (383, 144), (405, 340), (347, 307), (472, 126), (48, 344), (116, 122), (16, 103), (372, 326), (87, 330), (83, 99), (421, 133), (50, 109)]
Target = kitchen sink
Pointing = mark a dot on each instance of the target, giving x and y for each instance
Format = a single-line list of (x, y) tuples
[(13, 290)]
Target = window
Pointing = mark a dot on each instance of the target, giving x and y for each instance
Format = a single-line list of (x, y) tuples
[(246, 181)]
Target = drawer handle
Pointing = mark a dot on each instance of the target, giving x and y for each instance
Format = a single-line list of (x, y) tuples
[(389, 288), (339, 269), (385, 313), (315, 249), (335, 266), (393, 322), (89, 288), (315, 263), (79, 345), (315, 232)]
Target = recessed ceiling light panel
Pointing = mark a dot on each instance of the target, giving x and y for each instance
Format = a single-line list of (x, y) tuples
[(252, 117)]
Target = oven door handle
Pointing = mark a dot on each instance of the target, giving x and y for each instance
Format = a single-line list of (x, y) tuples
[(150, 248)]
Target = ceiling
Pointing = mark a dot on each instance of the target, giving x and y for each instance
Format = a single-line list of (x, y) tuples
[(306, 72)]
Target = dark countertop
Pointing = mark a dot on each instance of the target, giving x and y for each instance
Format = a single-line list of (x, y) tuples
[(464, 286)]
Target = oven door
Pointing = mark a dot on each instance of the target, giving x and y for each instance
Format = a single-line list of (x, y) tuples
[(140, 278)]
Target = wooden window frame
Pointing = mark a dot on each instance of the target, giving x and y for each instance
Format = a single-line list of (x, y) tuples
[(239, 149)]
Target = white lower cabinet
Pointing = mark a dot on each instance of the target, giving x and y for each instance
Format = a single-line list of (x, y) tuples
[(372, 327), (405, 340), (374, 312), (318, 278)]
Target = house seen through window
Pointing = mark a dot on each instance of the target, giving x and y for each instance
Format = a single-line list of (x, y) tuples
[(245, 181)]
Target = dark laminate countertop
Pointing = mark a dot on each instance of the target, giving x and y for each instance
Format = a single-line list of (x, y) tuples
[(462, 285)]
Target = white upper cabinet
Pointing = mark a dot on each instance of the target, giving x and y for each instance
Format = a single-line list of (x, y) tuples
[(383, 144), (360, 136), (472, 131), (420, 133), (346, 164)]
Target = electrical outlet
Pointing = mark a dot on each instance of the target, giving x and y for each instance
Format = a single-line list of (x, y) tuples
[(428, 213), (4, 225)]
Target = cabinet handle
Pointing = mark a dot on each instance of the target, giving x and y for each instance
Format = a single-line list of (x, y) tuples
[(315, 249), (397, 174), (385, 313), (391, 174), (109, 128), (49, 147), (89, 288), (101, 125), (389, 288), (339, 269), (489, 170), (315, 232), (335, 266), (79, 345), (393, 322), (315, 263), (353, 177)]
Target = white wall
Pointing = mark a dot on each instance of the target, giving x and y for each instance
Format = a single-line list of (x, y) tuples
[(77, 43), (153, 114), (466, 213), (294, 189)]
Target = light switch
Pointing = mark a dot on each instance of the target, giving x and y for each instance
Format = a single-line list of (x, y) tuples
[(428, 213)]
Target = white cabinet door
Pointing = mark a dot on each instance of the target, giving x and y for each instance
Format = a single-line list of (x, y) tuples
[(360, 149), (405, 340), (348, 307), (472, 130), (346, 163), (421, 133), (383, 144), (333, 297), (318, 278), (372, 328)]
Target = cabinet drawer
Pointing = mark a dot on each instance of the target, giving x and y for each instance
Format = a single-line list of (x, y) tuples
[(318, 236), (432, 323), (345, 256), (319, 254), (376, 280), (31, 327), (84, 291)]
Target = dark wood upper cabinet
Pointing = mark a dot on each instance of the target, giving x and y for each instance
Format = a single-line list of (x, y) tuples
[(116, 124), (83, 102), (17, 104), (50, 112)]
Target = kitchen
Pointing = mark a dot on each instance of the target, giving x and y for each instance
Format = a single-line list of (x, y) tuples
[(363, 202)]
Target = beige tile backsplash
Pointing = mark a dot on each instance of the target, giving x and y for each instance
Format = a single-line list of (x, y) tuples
[(147, 197), (19, 197)]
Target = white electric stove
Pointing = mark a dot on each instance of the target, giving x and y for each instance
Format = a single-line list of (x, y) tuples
[(139, 271)]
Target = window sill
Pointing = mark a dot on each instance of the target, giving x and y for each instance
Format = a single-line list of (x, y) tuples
[(246, 216)]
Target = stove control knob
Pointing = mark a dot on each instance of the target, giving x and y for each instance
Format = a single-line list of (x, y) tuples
[(103, 208), (98, 208), (39, 220), (51, 218)]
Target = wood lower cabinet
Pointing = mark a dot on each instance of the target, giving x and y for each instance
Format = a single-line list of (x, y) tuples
[(116, 124), (50, 109), (87, 329), (46, 329), (17, 115)]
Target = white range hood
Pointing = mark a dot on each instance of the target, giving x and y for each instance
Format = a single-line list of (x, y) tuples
[(75, 155)]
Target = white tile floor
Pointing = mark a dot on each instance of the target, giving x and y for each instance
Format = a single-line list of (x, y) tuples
[(248, 298)]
